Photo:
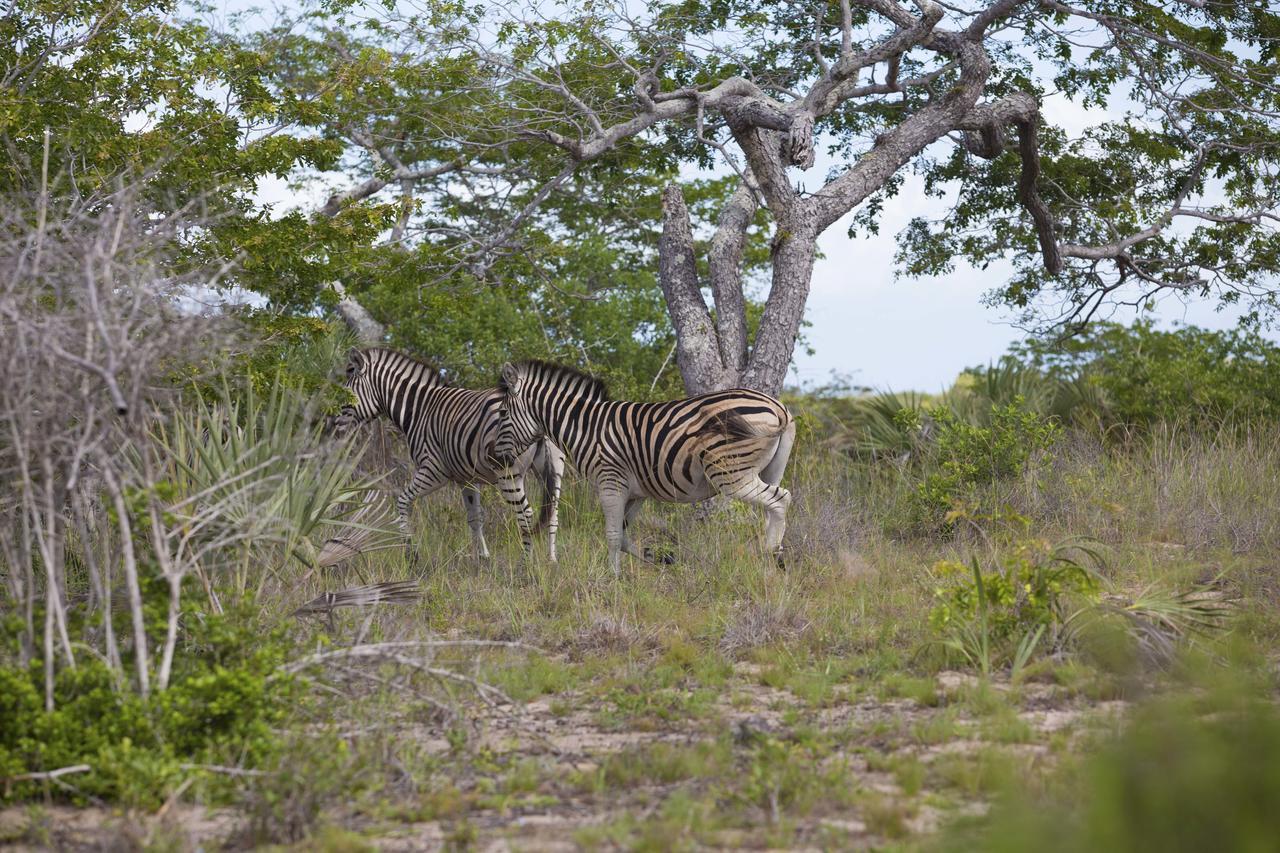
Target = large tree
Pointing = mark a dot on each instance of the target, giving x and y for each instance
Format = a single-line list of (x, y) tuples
[(502, 182), (441, 236), (442, 230), (1174, 190)]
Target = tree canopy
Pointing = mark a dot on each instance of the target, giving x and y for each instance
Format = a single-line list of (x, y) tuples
[(612, 184)]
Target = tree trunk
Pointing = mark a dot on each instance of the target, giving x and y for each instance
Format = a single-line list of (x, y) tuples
[(793, 254), (697, 343), (727, 247), (712, 353), (366, 329)]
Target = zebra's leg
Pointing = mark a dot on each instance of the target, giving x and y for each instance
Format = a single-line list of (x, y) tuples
[(772, 474), (553, 523), (630, 510), (628, 517), (475, 520), (423, 482), (511, 485), (750, 488), (614, 504), (548, 466)]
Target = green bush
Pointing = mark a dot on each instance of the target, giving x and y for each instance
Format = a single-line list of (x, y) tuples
[(1188, 374), (224, 701), (1000, 613), (263, 469), (964, 457)]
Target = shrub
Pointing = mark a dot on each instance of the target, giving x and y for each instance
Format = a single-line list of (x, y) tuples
[(1039, 596), (222, 704), (1148, 375), (965, 457)]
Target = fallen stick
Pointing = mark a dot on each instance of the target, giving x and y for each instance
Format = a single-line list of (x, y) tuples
[(48, 774), (44, 776)]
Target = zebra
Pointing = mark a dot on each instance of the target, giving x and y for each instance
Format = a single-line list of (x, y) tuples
[(451, 433), (733, 442)]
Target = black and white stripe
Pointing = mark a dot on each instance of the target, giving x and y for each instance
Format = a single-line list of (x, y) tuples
[(730, 442), (451, 434)]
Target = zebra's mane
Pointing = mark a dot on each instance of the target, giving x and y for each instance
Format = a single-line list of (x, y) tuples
[(430, 373), (596, 389)]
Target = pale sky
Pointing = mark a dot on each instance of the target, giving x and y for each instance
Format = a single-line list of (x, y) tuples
[(917, 334)]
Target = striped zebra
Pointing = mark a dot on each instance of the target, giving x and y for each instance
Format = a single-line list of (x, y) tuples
[(730, 442), (451, 434)]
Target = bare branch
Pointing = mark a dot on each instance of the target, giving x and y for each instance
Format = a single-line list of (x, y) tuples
[(988, 121), (902, 143), (367, 330)]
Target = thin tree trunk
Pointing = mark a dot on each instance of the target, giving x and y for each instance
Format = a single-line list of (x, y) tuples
[(129, 563), (367, 330), (171, 632), (48, 652), (20, 581), (725, 262), (697, 347), (793, 257), (99, 576)]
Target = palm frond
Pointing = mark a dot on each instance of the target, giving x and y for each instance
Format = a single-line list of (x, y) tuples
[(391, 592)]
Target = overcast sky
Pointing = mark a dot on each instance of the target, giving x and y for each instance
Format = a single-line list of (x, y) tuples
[(916, 334)]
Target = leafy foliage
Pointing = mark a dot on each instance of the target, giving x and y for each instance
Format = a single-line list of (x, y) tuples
[(262, 468), (963, 457), (222, 708), (1146, 375), (1000, 613)]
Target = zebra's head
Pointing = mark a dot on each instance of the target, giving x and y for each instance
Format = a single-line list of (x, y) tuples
[(359, 381), (518, 427)]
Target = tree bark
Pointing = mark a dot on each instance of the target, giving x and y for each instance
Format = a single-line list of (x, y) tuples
[(712, 354), (697, 347), (727, 247), (366, 329), (793, 255)]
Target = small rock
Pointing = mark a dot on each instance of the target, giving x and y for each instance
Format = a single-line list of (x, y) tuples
[(853, 826)]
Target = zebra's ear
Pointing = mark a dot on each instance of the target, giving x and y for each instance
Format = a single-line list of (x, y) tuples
[(355, 360), (510, 378)]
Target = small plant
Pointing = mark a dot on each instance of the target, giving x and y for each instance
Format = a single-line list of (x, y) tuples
[(223, 707), (263, 463), (1000, 614)]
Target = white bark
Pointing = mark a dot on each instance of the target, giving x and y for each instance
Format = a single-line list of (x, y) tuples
[(697, 345), (358, 319)]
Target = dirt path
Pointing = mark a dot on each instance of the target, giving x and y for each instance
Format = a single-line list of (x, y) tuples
[(523, 781)]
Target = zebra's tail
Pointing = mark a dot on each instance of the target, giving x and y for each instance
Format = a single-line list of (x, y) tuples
[(548, 474), (733, 426)]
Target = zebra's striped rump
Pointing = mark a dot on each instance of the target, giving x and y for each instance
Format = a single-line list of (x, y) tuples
[(732, 442)]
